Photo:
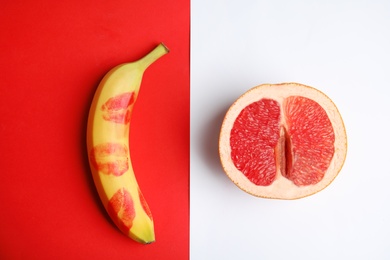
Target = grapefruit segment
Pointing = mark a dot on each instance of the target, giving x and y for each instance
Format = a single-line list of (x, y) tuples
[(253, 138), (312, 140), (282, 141)]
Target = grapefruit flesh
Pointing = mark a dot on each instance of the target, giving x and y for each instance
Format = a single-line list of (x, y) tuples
[(253, 138), (283, 141), (311, 141)]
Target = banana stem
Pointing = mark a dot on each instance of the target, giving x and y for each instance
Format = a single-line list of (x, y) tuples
[(154, 55)]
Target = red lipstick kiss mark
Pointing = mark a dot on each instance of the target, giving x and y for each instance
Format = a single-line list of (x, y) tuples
[(144, 204), (121, 210), (116, 109), (110, 158)]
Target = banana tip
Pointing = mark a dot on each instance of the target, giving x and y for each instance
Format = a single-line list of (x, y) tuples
[(166, 48)]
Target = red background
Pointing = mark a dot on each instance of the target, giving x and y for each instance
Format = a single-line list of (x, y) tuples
[(53, 55)]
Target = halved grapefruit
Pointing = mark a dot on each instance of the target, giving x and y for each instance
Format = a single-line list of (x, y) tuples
[(282, 141)]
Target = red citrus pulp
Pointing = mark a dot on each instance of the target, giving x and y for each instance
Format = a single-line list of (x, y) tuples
[(283, 141)]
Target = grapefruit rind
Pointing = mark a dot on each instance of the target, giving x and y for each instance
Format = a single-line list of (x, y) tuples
[(282, 188)]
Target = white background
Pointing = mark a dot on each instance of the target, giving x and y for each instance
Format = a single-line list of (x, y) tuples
[(339, 47)]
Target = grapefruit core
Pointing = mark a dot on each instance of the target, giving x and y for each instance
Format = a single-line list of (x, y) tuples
[(282, 141)]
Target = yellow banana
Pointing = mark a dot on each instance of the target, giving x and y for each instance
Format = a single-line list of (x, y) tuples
[(108, 147)]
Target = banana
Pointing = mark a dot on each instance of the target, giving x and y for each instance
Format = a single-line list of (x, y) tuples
[(108, 147)]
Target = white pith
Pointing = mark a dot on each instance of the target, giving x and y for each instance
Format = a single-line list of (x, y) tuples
[(282, 188)]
